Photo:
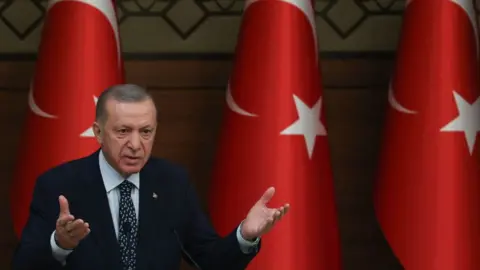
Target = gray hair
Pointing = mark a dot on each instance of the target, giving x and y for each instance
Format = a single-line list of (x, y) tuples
[(120, 93)]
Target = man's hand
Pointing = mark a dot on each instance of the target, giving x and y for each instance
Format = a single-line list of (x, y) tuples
[(261, 219), (69, 231)]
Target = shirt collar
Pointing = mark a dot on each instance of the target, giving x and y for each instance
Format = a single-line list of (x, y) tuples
[(111, 178)]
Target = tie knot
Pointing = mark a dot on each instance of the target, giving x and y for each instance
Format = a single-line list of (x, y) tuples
[(126, 188)]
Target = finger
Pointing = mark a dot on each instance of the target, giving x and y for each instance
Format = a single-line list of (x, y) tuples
[(270, 220), (64, 209), (83, 234), (283, 210), (267, 196), (79, 223), (74, 225), (79, 232), (282, 213), (78, 228), (272, 216), (63, 220)]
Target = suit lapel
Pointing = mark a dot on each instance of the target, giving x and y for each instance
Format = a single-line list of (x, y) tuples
[(155, 218), (154, 226), (97, 213)]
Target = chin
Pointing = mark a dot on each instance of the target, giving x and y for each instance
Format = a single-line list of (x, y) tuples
[(130, 169)]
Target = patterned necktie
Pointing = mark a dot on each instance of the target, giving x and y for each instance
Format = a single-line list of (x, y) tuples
[(127, 235)]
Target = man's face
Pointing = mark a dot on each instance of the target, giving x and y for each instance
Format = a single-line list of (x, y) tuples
[(127, 135)]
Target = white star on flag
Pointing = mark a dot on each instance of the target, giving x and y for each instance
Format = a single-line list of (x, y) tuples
[(89, 131), (468, 120), (308, 123)]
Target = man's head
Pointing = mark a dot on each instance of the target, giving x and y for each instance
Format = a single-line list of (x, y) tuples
[(125, 126)]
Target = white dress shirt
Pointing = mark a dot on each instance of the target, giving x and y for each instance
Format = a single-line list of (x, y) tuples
[(111, 179)]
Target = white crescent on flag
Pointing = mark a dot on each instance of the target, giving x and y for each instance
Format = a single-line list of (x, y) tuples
[(395, 104), (89, 132), (306, 8), (467, 5), (33, 106), (234, 106)]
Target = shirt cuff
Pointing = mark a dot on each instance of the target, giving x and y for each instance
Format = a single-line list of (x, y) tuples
[(246, 246), (58, 253)]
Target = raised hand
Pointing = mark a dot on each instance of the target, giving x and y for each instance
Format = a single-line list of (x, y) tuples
[(69, 231), (260, 218)]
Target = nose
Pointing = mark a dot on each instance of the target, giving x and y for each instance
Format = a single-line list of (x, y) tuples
[(135, 141)]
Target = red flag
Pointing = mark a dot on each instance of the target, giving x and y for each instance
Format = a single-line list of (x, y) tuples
[(78, 58), (428, 194), (274, 134)]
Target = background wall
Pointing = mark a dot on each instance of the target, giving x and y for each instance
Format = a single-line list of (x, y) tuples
[(181, 50)]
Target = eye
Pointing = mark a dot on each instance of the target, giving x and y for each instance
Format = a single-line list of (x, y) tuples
[(122, 131)]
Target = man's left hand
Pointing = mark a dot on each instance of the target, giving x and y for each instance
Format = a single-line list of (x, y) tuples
[(261, 219)]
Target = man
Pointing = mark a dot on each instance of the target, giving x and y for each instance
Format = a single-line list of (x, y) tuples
[(119, 208)]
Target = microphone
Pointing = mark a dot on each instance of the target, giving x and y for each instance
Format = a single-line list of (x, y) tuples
[(184, 251)]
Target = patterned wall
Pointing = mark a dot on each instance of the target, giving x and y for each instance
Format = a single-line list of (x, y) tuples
[(211, 26)]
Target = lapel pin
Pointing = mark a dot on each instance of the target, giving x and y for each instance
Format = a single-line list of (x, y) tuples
[(154, 195)]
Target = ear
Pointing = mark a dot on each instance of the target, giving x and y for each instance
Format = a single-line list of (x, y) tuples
[(97, 130)]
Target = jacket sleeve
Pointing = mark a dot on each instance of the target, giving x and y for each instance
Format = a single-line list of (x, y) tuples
[(34, 250), (206, 247)]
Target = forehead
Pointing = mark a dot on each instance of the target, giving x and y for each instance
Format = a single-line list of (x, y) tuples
[(142, 112)]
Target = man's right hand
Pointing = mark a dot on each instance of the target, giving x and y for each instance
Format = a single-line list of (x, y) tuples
[(69, 231)]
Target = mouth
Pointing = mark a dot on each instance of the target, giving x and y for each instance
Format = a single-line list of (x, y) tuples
[(133, 158)]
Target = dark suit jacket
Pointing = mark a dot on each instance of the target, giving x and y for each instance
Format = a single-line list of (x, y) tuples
[(175, 212)]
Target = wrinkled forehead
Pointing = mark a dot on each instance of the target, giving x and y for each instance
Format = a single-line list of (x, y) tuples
[(132, 114)]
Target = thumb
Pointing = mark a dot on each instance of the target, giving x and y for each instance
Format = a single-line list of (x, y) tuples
[(64, 209), (267, 196)]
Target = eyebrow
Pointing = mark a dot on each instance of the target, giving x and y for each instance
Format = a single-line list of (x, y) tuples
[(129, 127)]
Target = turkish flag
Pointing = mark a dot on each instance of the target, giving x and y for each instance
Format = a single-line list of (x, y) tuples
[(428, 193), (79, 57), (274, 134)]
